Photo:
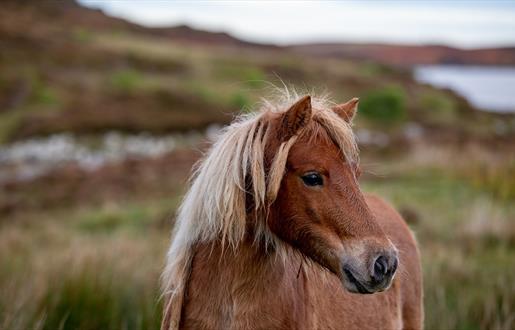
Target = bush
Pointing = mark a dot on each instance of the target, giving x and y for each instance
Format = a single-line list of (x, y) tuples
[(241, 101), (45, 95), (438, 106), (125, 80), (81, 35), (41, 91), (384, 106)]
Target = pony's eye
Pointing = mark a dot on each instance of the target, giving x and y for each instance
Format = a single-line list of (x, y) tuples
[(312, 179)]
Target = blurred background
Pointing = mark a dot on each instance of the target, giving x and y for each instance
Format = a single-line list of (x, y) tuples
[(106, 105)]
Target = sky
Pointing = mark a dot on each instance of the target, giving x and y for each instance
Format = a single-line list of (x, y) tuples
[(465, 24)]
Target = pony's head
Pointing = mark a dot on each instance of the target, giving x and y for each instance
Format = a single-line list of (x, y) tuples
[(319, 208)]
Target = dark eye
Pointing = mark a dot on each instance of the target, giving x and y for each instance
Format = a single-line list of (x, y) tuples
[(312, 179)]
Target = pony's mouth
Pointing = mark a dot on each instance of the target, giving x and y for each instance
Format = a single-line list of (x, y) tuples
[(353, 284), (359, 287)]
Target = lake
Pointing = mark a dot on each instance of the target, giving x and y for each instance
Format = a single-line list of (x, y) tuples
[(487, 88)]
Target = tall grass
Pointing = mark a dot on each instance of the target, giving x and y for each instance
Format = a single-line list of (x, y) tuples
[(98, 267), (466, 237), (57, 274)]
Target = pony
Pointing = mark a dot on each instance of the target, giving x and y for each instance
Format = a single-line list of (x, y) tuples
[(275, 233)]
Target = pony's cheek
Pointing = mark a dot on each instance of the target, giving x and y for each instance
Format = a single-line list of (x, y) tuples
[(325, 248)]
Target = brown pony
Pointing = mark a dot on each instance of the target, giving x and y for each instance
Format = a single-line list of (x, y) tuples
[(275, 232)]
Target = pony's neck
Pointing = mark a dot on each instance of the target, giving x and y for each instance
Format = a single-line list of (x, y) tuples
[(249, 261), (249, 254)]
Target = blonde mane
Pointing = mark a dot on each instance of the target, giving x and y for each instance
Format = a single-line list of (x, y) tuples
[(214, 207)]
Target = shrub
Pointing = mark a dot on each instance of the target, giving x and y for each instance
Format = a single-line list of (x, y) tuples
[(45, 95), (386, 105), (438, 106), (41, 93), (240, 100), (125, 80), (81, 35)]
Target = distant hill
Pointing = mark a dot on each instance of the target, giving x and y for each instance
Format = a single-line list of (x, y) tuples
[(391, 54), (188, 34), (407, 55), (76, 15)]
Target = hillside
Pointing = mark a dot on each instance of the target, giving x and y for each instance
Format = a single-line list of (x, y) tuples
[(66, 68)]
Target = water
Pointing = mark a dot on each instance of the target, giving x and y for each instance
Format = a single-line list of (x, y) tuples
[(487, 88)]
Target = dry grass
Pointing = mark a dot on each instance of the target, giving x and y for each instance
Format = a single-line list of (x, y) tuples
[(99, 266), (56, 273), (466, 232)]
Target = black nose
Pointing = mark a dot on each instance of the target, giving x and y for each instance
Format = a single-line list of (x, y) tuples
[(383, 268)]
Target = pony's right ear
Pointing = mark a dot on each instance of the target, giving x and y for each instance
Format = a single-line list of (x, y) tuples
[(295, 118)]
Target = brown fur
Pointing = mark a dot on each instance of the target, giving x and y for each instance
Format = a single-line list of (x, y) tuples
[(252, 290), (302, 281)]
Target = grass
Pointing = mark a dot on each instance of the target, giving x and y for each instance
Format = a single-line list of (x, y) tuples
[(98, 267), (80, 269), (499, 179), (466, 235), (251, 75), (8, 125), (70, 303), (438, 106)]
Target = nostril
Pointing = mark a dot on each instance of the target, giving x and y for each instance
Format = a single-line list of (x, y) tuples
[(380, 268)]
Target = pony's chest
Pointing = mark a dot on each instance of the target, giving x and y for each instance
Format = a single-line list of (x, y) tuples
[(243, 310), (224, 294), (220, 296)]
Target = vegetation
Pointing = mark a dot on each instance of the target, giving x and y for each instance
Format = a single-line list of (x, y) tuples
[(94, 68), (125, 80), (384, 106), (467, 240), (96, 263), (84, 249)]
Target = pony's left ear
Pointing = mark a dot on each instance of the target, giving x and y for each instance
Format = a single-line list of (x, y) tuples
[(347, 110), (295, 118)]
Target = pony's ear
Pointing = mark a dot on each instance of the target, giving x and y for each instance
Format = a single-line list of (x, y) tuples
[(347, 110), (295, 118)]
